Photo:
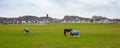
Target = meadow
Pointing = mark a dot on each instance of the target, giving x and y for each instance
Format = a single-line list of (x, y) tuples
[(51, 36)]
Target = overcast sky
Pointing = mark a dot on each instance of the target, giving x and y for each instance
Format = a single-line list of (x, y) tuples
[(60, 8)]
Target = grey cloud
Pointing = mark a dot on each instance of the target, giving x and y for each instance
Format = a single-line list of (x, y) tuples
[(58, 8)]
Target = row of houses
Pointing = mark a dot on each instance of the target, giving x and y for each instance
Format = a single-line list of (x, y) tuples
[(94, 19), (28, 19), (75, 19)]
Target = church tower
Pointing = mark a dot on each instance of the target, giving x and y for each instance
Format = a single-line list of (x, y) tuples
[(47, 15)]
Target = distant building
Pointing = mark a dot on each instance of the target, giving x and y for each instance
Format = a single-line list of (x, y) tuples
[(46, 19), (116, 20), (74, 19), (29, 19), (100, 19)]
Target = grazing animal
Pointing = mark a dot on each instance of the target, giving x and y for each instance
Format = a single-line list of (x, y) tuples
[(75, 32), (67, 30), (26, 31)]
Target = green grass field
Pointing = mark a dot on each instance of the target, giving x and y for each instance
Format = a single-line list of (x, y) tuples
[(51, 36)]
